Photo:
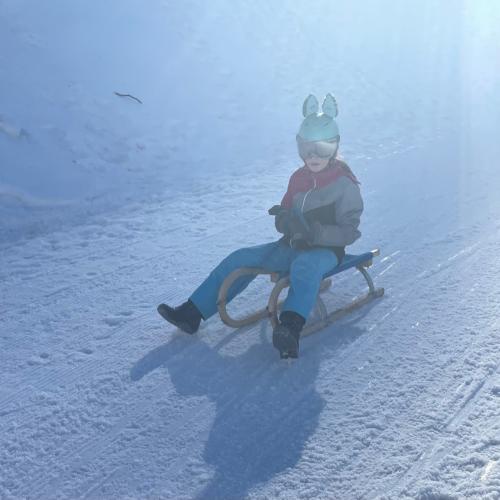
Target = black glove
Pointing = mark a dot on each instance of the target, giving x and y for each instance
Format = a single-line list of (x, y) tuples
[(301, 235), (293, 226), (275, 210), (281, 219)]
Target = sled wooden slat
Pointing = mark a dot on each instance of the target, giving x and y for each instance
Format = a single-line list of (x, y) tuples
[(341, 312), (221, 301)]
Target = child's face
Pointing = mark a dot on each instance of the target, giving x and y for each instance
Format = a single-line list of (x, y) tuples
[(316, 164)]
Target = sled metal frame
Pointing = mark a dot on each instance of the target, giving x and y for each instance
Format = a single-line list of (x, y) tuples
[(360, 262)]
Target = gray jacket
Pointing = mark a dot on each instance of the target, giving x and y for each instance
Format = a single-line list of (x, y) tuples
[(330, 202)]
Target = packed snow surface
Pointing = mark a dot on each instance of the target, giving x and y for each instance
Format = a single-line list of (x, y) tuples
[(109, 208)]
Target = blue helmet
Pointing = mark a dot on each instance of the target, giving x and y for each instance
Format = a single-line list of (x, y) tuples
[(319, 126)]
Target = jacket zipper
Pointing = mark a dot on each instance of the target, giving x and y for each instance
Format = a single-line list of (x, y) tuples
[(303, 203), (307, 194)]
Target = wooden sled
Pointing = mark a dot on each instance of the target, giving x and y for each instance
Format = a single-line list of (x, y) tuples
[(360, 262)]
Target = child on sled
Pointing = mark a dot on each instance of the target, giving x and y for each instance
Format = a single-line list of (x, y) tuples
[(318, 217)]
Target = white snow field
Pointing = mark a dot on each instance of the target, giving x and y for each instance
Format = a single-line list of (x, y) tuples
[(100, 397)]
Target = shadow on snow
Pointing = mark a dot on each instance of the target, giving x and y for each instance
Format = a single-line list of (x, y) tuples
[(266, 410)]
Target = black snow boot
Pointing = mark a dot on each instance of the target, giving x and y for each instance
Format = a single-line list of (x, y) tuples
[(287, 334), (186, 316)]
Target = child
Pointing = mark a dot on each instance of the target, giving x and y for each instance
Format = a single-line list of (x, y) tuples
[(318, 216)]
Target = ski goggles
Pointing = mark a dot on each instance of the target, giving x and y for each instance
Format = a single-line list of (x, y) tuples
[(321, 149)]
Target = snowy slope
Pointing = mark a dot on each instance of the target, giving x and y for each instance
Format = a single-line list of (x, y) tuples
[(100, 398)]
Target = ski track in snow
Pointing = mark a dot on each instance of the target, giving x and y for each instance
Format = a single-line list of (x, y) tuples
[(73, 424)]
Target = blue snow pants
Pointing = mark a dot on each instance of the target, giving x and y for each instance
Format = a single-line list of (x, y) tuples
[(305, 268)]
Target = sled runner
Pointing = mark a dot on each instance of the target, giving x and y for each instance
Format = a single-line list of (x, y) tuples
[(360, 262)]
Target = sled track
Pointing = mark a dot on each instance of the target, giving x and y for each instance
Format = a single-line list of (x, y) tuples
[(465, 408), (443, 444), (101, 483), (447, 439)]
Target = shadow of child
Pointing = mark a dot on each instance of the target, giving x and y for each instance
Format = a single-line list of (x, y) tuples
[(266, 410)]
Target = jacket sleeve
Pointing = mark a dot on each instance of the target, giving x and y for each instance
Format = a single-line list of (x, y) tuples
[(348, 210), (282, 217)]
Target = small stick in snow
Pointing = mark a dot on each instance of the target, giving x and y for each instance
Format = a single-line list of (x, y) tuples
[(128, 95)]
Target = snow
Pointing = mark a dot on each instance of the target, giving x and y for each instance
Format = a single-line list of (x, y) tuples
[(109, 207)]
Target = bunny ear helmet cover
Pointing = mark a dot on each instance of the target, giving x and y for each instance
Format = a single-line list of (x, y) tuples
[(319, 126)]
